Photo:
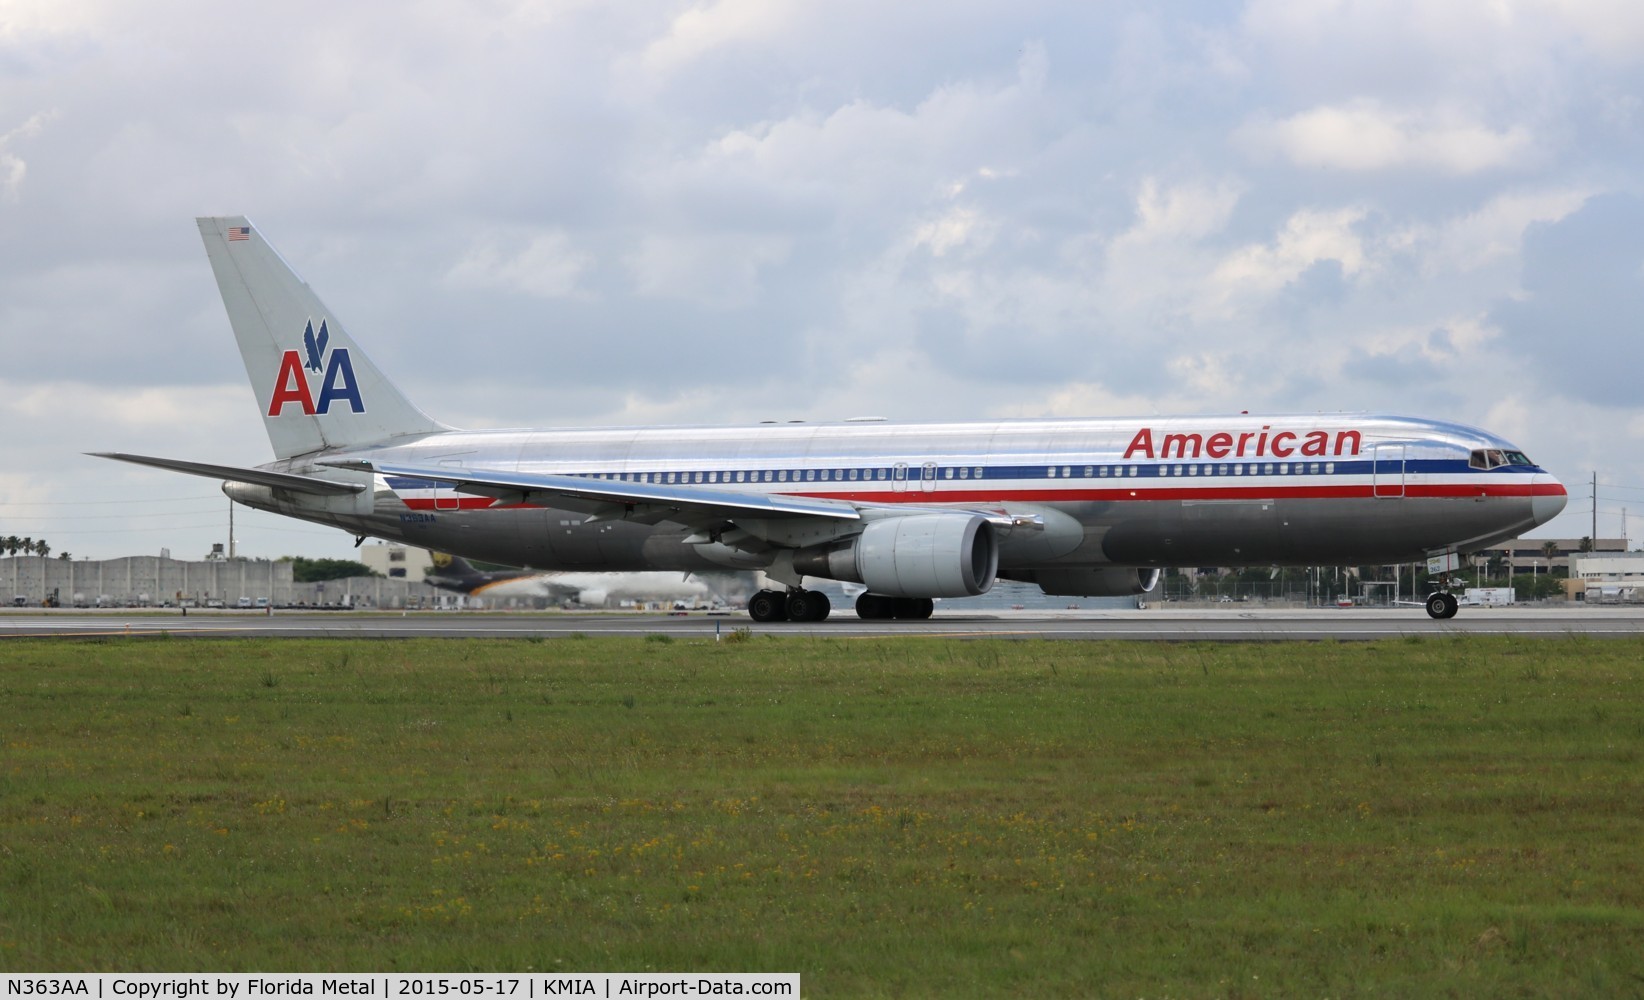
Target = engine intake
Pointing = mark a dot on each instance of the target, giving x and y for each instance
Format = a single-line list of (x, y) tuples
[(916, 555)]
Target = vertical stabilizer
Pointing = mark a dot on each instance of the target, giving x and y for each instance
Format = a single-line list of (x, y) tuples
[(316, 389)]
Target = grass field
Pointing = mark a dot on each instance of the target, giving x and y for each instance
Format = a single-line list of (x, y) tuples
[(889, 818)]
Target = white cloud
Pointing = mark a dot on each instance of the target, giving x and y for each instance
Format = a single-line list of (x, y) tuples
[(700, 30), (1365, 136), (1310, 236), (952, 230), (546, 265), (1613, 29), (1494, 233), (721, 271), (36, 21), (14, 168)]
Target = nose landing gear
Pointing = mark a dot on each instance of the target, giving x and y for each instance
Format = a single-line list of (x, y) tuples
[(1442, 605)]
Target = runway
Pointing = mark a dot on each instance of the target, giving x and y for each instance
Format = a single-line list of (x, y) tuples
[(1160, 624)]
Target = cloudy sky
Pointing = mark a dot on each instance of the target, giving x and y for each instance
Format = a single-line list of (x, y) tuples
[(577, 211)]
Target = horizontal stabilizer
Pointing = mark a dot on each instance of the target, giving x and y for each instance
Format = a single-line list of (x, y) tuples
[(258, 477)]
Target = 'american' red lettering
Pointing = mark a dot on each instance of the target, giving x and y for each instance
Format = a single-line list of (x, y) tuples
[(1248, 444)]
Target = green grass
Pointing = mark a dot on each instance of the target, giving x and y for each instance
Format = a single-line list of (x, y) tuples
[(888, 818)]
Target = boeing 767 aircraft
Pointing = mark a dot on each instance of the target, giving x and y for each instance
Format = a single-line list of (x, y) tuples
[(912, 511)]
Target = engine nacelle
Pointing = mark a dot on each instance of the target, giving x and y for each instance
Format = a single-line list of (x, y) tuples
[(917, 555), (1094, 581)]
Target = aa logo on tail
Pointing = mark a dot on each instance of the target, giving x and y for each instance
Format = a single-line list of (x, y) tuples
[(337, 384)]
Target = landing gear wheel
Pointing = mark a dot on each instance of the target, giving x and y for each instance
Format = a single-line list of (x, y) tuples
[(872, 607), (768, 606), (808, 606), (914, 608), (1442, 606)]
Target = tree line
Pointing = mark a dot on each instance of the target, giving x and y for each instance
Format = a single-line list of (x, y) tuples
[(11, 545)]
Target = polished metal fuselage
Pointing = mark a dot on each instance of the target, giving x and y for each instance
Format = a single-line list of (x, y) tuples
[(1336, 489)]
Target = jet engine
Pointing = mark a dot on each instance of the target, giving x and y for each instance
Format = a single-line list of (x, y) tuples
[(914, 555), (1092, 581)]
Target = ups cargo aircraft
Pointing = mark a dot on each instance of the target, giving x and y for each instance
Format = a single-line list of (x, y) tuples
[(456, 574), (911, 511)]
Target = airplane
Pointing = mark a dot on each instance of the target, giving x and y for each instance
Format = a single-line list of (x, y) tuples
[(457, 574), (911, 511)]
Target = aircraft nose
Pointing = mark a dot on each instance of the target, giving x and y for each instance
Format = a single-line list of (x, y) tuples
[(1549, 499)]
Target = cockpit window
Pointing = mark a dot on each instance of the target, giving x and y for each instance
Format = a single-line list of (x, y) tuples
[(1495, 458)]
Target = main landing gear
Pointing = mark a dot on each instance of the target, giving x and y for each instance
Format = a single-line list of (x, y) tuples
[(814, 606), (872, 607), (793, 606)]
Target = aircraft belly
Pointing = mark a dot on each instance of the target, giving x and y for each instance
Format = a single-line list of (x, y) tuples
[(539, 537), (1306, 532)]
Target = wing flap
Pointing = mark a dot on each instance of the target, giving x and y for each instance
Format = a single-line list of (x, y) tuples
[(643, 499)]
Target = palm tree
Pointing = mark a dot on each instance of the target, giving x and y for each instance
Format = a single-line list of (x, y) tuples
[(10, 544), (41, 549)]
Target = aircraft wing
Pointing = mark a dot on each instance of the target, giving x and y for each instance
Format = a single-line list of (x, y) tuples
[(258, 477), (612, 499)]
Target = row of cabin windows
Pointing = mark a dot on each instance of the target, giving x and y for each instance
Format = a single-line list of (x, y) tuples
[(967, 472), (1206, 469), (1251, 469), (756, 476)]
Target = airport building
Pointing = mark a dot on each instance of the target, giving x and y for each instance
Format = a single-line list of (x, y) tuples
[(396, 561), (1527, 555), (1607, 578), (160, 581)]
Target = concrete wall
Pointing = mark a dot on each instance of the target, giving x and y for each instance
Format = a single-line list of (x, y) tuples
[(139, 580)]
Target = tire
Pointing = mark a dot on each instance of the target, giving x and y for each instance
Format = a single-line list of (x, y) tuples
[(808, 606), (768, 606), (1451, 605), (914, 608), (1440, 606), (872, 607)]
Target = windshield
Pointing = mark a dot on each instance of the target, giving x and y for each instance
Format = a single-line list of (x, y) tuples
[(1495, 458)]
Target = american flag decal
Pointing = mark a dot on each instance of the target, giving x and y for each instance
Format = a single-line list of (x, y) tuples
[(239, 233)]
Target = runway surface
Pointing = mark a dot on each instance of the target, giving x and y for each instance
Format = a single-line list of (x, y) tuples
[(1167, 624)]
